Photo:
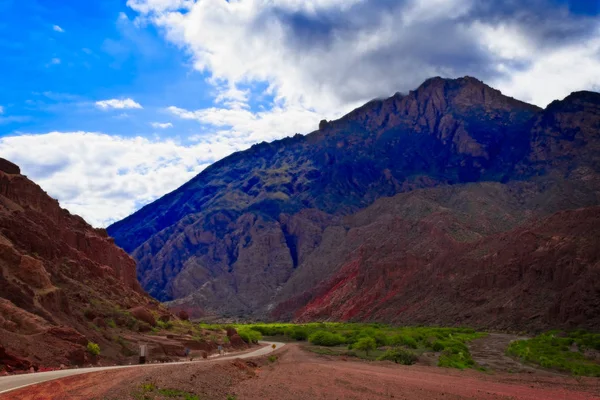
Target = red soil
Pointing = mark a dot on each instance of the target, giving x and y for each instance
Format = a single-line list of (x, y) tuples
[(301, 375)]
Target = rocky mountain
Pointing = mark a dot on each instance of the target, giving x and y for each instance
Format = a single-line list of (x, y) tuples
[(271, 232), (62, 284)]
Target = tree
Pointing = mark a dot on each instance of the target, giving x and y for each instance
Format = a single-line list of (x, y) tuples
[(366, 344)]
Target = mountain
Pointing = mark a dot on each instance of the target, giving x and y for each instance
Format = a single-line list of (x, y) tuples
[(266, 232), (62, 283)]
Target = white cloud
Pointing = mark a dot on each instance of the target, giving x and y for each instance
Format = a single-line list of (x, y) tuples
[(105, 178), (324, 55), (162, 125), (550, 74), (1, 109), (247, 127), (54, 61), (119, 104), (57, 28)]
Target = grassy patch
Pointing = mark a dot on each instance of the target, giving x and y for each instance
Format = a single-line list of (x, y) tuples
[(561, 351), (149, 390)]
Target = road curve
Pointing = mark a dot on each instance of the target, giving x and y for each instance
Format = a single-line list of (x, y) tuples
[(8, 383)]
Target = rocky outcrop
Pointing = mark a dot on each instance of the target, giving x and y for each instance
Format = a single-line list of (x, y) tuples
[(61, 279), (256, 233), (9, 168)]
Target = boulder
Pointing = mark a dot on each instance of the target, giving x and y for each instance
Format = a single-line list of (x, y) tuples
[(143, 314), (144, 327)]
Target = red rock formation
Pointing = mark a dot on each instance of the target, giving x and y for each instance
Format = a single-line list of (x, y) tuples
[(57, 274)]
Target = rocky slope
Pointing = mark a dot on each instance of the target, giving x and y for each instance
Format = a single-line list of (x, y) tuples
[(64, 284), (257, 232)]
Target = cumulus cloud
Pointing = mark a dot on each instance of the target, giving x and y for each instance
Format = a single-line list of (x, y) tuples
[(1, 109), (325, 54), (104, 178), (306, 60), (161, 125), (252, 127), (119, 104), (57, 28)]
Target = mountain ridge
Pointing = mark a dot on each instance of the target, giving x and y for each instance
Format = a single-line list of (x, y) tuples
[(235, 236)]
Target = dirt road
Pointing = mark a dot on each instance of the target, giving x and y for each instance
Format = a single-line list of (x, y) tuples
[(297, 374)]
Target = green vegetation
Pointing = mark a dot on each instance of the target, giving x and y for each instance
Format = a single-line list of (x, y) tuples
[(324, 338), (350, 339), (399, 356), (111, 323), (93, 348), (272, 358), (561, 351), (164, 325), (365, 344), (249, 335), (150, 388)]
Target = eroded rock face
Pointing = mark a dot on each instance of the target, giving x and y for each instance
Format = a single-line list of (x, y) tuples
[(9, 168), (56, 273), (257, 232)]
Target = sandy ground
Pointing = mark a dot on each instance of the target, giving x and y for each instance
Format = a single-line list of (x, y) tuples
[(297, 374)]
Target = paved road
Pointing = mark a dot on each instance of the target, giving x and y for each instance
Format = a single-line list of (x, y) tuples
[(8, 383)]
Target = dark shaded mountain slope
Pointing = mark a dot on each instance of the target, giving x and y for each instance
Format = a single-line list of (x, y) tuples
[(257, 231)]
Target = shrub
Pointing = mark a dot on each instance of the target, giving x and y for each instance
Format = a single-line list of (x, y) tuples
[(451, 359), (365, 344), (438, 346), (399, 356), (93, 348), (249, 335), (164, 325), (298, 333), (324, 338), (403, 340), (111, 323)]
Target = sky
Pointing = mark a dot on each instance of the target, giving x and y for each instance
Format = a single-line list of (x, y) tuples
[(109, 105)]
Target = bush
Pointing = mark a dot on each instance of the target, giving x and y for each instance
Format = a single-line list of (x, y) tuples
[(366, 344), (93, 348), (298, 333), (111, 323), (399, 356), (164, 325), (249, 335), (438, 346), (403, 340), (324, 338)]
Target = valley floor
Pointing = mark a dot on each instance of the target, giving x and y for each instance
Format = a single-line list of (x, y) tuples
[(297, 374)]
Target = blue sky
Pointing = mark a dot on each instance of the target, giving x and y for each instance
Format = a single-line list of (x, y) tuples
[(111, 104)]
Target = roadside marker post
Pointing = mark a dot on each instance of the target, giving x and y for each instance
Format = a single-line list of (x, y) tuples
[(143, 353)]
